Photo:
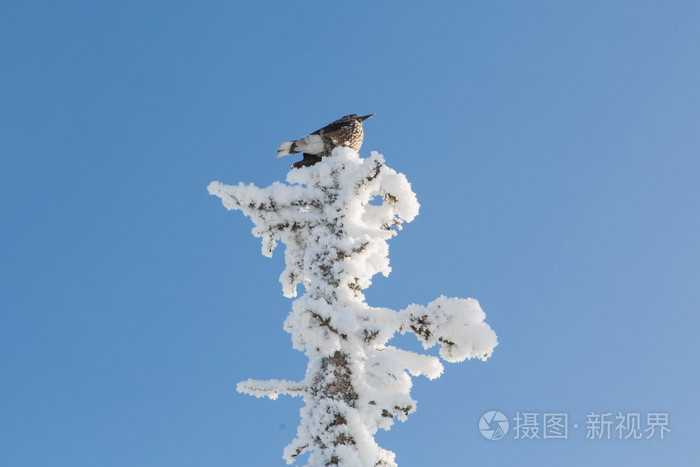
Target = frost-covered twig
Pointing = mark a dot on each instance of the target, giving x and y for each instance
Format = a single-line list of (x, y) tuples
[(272, 388)]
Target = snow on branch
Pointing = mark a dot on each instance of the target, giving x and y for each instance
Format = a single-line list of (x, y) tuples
[(272, 388), (335, 219), (457, 324)]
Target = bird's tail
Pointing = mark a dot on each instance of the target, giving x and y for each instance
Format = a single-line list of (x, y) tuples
[(312, 144), (286, 148)]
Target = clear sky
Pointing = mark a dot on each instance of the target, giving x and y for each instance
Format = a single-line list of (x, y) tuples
[(555, 151)]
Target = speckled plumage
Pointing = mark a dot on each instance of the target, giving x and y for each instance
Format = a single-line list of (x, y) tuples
[(346, 131)]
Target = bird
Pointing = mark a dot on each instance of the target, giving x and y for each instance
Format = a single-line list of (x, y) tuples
[(346, 131)]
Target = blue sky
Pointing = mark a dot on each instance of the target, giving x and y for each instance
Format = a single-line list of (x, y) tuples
[(554, 149)]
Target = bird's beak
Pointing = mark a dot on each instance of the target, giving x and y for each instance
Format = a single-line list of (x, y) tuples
[(362, 119)]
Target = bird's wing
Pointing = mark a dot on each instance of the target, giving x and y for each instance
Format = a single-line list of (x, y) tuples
[(331, 127)]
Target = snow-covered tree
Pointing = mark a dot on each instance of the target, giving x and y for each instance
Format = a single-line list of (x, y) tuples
[(335, 219)]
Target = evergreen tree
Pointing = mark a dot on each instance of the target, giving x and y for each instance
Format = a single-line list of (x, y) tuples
[(336, 235)]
